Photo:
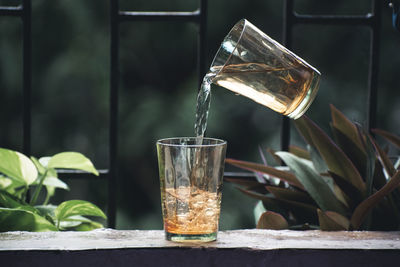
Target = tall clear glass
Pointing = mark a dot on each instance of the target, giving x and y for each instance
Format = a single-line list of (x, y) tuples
[(252, 64), (191, 183)]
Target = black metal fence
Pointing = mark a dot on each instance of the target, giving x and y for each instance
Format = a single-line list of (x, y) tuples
[(199, 17)]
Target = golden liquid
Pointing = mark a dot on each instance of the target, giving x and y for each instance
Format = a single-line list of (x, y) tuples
[(190, 211), (281, 89)]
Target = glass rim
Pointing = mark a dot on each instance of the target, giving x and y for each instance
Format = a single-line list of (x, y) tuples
[(241, 23), (219, 142)]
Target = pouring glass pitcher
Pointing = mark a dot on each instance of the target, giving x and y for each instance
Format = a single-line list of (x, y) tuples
[(252, 64)]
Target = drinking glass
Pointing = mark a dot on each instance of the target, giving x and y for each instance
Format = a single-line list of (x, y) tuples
[(252, 64), (191, 182)]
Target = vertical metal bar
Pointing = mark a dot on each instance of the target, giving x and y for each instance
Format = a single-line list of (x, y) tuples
[(201, 48), (113, 130), (374, 65), (288, 19), (27, 75)]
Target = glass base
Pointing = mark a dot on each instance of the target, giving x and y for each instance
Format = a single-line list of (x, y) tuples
[(307, 100), (190, 238)]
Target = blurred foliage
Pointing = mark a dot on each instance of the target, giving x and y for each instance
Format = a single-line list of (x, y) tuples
[(20, 211), (158, 84), (347, 182)]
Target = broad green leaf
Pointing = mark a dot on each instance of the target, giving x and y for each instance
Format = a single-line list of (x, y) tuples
[(332, 221), (285, 176), (46, 210), (272, 220), (72, 160), (318, 162), (300, 152), (9, 201), (394, 139), (23, 220), (313, 183), (17, 166), (88, 226), (290, 194), (44, 161), (345, 126), (80, 223), (55, 182), (365, 207), (5, 182), (41, 169), (77, 207), (335, 158)]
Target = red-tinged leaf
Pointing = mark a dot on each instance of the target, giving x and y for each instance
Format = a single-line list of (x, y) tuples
[(366, 206), (383, 158), (332, 221), (394, 139), (345, 126), (255, 167), (335, 158), (352, 194), (300, 152), (306, 213), (351, 149), (272, 152), (272, 220), (290, 194), (303, 128), (243, 182)]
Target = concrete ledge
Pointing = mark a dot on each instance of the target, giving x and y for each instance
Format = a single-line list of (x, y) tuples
[(234, 248)]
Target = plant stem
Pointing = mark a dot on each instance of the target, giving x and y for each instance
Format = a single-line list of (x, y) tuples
[(38, 188)]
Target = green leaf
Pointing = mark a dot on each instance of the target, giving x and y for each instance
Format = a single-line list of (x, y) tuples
[(335, 158), (318, 162), (46, 210), (272, 220), (41, 169), (88, 226), (365, 207), (17, 166), (394, 139), (23, 220), (9, 201), (314, 184), (285, 176), (55, 182), (332, 221), (77, 207), (72, 160)]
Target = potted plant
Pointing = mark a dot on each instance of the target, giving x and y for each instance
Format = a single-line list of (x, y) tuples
[(20, 175), (346, 182)]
